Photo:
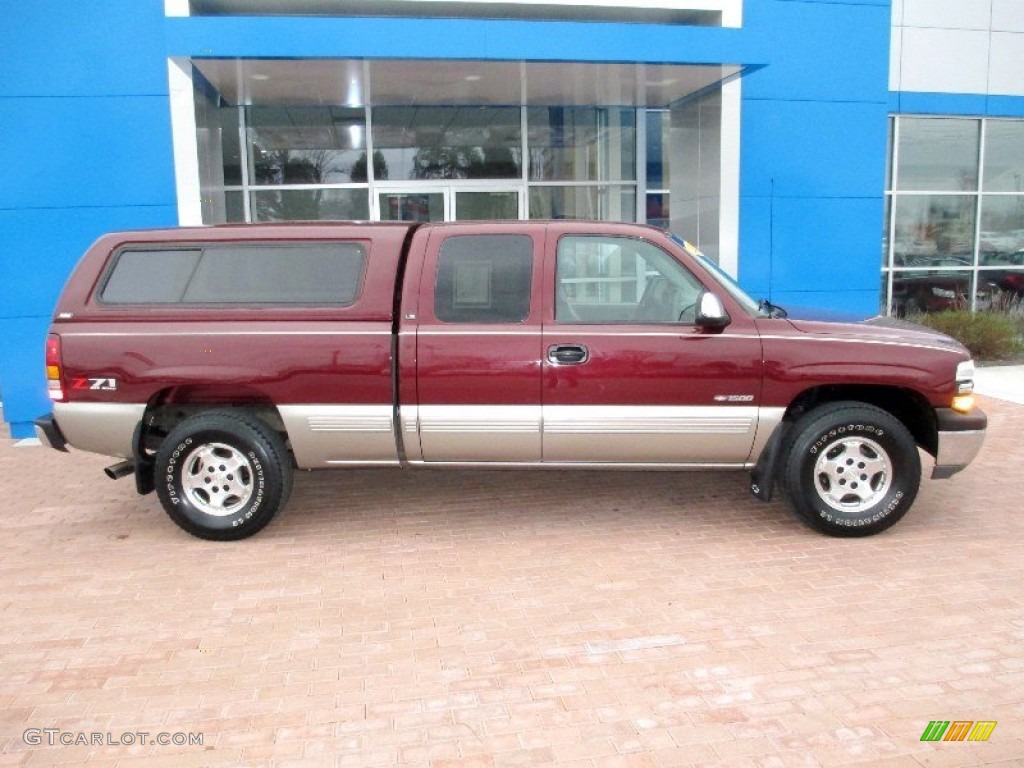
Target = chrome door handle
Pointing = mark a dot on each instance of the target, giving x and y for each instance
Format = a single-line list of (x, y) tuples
[(568, 354)]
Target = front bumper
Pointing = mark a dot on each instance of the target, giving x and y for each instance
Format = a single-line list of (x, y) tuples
[(960, 439), (49, 433)]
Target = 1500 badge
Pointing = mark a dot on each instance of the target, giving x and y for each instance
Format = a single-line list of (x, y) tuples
[(103, 384)]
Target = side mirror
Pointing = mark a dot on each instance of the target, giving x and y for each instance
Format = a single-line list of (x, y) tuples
[(711, 312)]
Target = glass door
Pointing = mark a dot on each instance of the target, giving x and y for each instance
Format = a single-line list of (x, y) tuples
[(413, 205), (448, 203)]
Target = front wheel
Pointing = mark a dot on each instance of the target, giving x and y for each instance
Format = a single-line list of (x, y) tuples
[(851, 469), (222, 475)]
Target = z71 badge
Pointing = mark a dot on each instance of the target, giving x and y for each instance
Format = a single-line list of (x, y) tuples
[(103, 384)]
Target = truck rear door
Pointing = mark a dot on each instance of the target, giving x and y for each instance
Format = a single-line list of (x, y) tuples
[(476, 325)]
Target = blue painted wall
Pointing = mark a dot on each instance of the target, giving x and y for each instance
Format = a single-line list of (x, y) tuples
[(812, 161), (85, 131), (84, 114), (969, 104)]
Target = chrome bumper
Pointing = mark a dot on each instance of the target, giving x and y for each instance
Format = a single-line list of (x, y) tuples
[(959, 440)]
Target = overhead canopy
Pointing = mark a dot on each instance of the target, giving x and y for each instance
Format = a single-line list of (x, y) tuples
[(420, 82)]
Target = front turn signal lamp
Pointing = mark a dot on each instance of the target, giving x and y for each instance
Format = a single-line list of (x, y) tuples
[(963, 400), (963, 403)]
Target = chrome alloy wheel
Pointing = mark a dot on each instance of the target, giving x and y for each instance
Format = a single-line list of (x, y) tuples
[(217, 479), (852, 474)]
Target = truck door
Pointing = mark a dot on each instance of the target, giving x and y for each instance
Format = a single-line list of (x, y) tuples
[(628, 377), (478, 347)]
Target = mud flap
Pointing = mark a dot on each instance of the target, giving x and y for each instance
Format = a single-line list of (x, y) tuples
[(762, 476), (144, 482)]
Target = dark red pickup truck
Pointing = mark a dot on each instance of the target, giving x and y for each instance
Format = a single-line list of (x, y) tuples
[(216, 360)]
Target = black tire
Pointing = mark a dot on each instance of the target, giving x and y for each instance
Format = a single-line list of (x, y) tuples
[(222, 475), (850, 469)]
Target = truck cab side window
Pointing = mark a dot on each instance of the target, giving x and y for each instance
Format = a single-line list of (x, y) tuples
[(484, 279), (613, 280)]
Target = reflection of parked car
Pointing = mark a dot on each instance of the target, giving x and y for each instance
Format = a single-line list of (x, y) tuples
[(924, 292), (932, 290), (1000, 242), (1011, 282), (908, 250)]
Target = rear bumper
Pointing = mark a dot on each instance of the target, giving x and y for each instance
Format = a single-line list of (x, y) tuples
[(960, 439), (49, 433)]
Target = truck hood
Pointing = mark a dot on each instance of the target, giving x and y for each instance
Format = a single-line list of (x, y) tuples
[(881, 329)]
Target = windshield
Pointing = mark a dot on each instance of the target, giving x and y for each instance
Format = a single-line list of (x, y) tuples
[(724, 278)]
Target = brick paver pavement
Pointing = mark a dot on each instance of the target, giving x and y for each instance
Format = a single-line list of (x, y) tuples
[(511, 619)]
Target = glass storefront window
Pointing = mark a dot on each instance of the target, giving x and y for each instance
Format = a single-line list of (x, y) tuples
[(306, 163), (310, 205), (934, 230), (885, 232), (306, 145), (959, 247), (658, 214), (930, 291), (937, 154), (1001, 289), (448, 142), (1004, 156), (658, 126), (610, 203), (479, 206), (581, 144), (234, 207), (415, 206), (1001, 240), (230, 146)]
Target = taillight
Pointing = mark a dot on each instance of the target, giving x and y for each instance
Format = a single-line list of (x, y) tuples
[(54, 384)]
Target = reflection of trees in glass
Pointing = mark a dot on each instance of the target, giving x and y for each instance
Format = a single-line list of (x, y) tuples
[(380, 168), (464, 163), (289, 166), (283, 166), (290, 205)]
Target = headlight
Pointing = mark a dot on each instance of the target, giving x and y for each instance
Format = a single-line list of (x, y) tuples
[(943, 293), (965, 377), (963, 400)]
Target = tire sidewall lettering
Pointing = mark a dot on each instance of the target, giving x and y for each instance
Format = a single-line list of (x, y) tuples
[(830, 516), (829, 437), (170, 471), (260, 482)]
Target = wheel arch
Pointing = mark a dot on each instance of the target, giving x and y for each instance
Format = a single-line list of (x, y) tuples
[(910, 408), (169, 406), (907, 406)]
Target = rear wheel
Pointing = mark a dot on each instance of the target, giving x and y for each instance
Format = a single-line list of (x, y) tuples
[(851, 469), (222, 475)]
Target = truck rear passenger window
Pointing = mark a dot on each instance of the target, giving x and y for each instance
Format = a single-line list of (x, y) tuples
[(484, 279), (310, 273)]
